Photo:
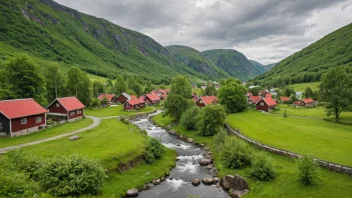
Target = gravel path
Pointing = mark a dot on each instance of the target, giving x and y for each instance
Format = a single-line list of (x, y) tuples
[(96, 122)]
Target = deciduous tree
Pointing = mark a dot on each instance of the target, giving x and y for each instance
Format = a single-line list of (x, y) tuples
[(232, 97), (211, 119)]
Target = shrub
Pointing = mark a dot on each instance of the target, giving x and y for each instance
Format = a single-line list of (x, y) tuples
[(154, 150), (285, 114), (236, 154), (211, 120), (28, 163), (96, 103), (189, 118), (219, 140), (124, 120), (262, 168), (307, 170)]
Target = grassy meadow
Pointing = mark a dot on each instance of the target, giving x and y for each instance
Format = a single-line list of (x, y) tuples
[(286, 184), (114, 111), (302, 86)]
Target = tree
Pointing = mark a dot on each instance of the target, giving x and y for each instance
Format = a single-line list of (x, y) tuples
[(233, 97), (55, 82), (285, 114), (336, 89), (211, 119), (307, 170), (288, 91), (181, 86), (135, 86), (120, 85), (26, 78), (210, 91), (308, 93), (175, 105), (189, 118), (98, 88), (255, 91), (79, 85), (149, 87)]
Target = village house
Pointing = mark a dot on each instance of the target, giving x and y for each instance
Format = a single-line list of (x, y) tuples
[(206, 100), (111, 98), (284, 99), (134, 104), (69, 108), (263, 93), (122, 98), (254, 99), (21, 116), (151, 99), (265, 104), (308, 102), (249, 94)]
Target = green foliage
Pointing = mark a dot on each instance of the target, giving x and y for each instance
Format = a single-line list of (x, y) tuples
[(135, 86), (124, 120), (285, 114), (98, 88), (210, 91), (263, 168), (96, 103), (211, 120), (55, 82), (175, 105), (219, 140), (189, 118), (233, 97), (308, 93), (307, 170), (105, 101), (336, 89), (181, 86), (288, 91), (255, 91), (236, 154), (79, 85), (155, 150)]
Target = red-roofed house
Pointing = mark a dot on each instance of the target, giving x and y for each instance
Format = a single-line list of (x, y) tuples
[(263, 93), (134, 104), (151, 99), (206, 100), (21, 116), (70, 108), (249, 94), (268, 95), (284, 99), (254, 99), (110, 97), (265, 104), (133, 97), (308, 102), (123, 98)]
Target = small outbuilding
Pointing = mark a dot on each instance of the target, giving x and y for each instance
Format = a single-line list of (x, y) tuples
[(111, 98), (265, 104), (284, 99), (134, 104), (206, 100), (21, 116), (308, 102), (152, 99), (254, 99), (69, 108), (123, 98)]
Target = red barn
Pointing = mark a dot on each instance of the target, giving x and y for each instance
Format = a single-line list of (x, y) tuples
[(70, 108), (110, 97), (21, 116), (123, 98), (265, 104), (284, 99), (134, 104), (151, 99), (206, 100), (254, 99)]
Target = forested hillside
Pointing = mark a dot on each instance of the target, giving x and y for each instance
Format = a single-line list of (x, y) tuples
[(195, 60), (51, 32), (260, 67), (309, 64), (233, 62)]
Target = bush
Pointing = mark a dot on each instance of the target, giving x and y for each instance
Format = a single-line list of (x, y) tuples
[(124, 120), (211, 120), (28, 163), (219, 140), (307, 170), (189, 118), (262, 168), (96, 103), (236, 154), (154, 150)]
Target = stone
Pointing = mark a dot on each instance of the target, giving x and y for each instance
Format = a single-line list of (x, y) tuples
[(216, 180), (162, 179), (150, 185), (207, 156), (218, 185), (206, 148), (167, 174), (208, 180), (210, 166), (73, 138), (237, 193), (181, 136), (190, 140), (132, 192), (205, 161), (236, 182), (171, 178), (195, 182), (156, 182), (202, 145)]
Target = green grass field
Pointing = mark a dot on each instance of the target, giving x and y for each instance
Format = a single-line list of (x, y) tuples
[(96, 78), (114, 111), (302, 86), (50, 132), (325, 140), (286, 184)]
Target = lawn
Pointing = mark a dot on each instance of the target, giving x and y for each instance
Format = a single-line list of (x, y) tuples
[(50, 132), (325, 140), (96, 78), (302, 86), (114, 111), (286, 184)]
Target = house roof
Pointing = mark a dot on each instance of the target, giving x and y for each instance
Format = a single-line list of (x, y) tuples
[(126, 95), (255, 99), (269, 101), (249, 94), (308, 100), (70, 103), (297, 102), (208, 99), (133, 97), (285, 98), (152, 97), (268, 95), (263, 92), (20, 108), (135, 101), (108, 96)]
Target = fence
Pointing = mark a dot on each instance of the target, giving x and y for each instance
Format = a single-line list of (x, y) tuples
[(325, 164)]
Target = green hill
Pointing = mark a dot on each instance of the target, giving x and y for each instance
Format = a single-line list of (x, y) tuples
[(49, 31), (260, 67), (233, 62), (196, 61), (309, 64)]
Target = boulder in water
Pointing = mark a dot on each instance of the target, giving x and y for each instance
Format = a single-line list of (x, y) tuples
[(132, 192), (195, 182), (205, 161), (210, 166), (208, 180), (237, 193), (156, 182)]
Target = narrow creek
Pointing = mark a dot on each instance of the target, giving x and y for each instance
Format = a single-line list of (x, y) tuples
[(179, 183)]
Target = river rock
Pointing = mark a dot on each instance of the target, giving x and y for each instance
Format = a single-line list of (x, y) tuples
[(207, 156), (162, 179), (210, 166), (216, 180), (132, 192), (236, 182), (195, 182), (205, 161), (208, 181), (237, 193), (73, 138), (167, 174), (190, 140), (156, 182), (206, 148)]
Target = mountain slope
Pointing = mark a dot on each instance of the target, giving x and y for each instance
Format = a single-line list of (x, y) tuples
[(309, 64), (258, 66), (269, 66), (233, 62), (52, 32), (196, 61)]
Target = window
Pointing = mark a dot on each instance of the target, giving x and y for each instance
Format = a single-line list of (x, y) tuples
[(0, 126), (57, 104), (72, 113), (262, 104), (79, 112), (38, 119), (24, 121)]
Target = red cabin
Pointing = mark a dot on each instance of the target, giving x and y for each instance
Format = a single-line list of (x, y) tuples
[(284, 99), (308, 102), (265, 104), (21, 116), (254, 99), (206, 100), (111, 98), (70, 108), (152, 99), (134, 104), (123, 98)]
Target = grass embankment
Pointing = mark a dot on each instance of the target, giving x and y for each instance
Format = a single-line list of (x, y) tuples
[(286, 184), (114, 111), (46, 133), (111, 143), (302, 86)]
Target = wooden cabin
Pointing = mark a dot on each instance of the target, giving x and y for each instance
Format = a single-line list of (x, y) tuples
[(69, 108)]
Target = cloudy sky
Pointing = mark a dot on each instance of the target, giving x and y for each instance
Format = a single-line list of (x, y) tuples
[(264, 30)]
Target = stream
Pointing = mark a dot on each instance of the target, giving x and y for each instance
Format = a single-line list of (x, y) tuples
[(179, 183)]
